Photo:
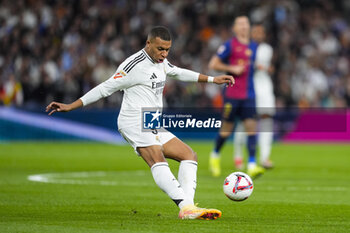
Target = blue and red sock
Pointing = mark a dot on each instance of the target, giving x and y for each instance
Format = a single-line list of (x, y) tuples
[(251, 145), (219, 142)]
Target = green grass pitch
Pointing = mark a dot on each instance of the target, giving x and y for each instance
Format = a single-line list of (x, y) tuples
[(93, 187)]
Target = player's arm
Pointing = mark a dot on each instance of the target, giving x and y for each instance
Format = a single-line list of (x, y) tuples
[(92, 96), (263, 59), (216, 63), (221, 79), (269, 69), (119, 80), (95, 94), (191, 76), (60, 107)]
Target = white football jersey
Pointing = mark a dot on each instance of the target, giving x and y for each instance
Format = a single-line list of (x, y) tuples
[(263, 86), (142, 81)]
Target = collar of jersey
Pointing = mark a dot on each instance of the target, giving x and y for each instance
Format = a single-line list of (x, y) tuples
[(149, 58)]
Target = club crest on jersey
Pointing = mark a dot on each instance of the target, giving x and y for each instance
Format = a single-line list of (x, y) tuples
[(120, 74), (248, 52)]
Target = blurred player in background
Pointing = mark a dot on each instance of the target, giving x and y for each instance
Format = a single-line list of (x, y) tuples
[(142, 78), (237, 57), (265, 102)]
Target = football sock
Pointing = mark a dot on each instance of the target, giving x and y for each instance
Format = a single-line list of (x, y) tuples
[(239, 140), (167, 182), (188, 177), (251, 165), (251, 144), (219, 143), (265, 138)]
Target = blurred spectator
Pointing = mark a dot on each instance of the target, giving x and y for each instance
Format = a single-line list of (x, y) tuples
[(11, 92), (59, 48)]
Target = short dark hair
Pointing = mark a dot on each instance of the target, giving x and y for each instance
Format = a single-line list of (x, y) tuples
[(258, 24), (240, 16), (161, 32)]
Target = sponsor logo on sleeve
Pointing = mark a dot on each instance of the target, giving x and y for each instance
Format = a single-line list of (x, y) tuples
[(120, 74), (221, 49)]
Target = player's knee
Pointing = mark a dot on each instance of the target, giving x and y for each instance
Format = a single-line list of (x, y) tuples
[(225, 134), (250, 126), (265, 116), (191, 155), (251, 130), (194, 156), (151, 155)]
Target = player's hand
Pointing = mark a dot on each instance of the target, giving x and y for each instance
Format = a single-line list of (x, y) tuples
[(236, 69), (57, 107), (260, 67), (228, 79)]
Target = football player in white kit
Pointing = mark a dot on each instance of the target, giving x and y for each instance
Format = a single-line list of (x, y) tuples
[(142, 78), (265, 103)]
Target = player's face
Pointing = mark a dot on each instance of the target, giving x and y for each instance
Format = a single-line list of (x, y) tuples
[(158, 49), (258, 33), (241, 26)]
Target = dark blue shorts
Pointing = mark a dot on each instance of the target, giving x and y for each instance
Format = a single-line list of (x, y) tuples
[(239, 108)]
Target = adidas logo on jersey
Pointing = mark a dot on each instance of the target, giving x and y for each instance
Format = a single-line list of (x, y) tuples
[(153, 76)]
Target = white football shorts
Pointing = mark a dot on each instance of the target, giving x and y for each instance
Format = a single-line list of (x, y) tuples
[(264, 97), (137, 138), (265, 104)]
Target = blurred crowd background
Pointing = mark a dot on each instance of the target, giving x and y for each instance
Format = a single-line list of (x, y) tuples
[(60, 49)]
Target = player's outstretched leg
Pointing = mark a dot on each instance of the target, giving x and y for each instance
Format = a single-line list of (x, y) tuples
[(179, 151), (214, 157), (187, 177), (253, 170), (215, 163), (167, 182)]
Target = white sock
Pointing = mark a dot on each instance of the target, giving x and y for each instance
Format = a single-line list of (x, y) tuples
[(213, 154), (239, 140), (167, 182), (251, 165), (188, 178), (265, 138)]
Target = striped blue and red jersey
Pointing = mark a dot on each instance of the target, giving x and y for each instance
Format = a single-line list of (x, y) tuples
[(234, 52)]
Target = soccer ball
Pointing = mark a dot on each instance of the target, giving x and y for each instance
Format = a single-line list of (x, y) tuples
[(238, 186)]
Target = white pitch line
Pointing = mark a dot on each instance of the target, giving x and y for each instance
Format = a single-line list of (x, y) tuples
[(309, 188), (71, 178)]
